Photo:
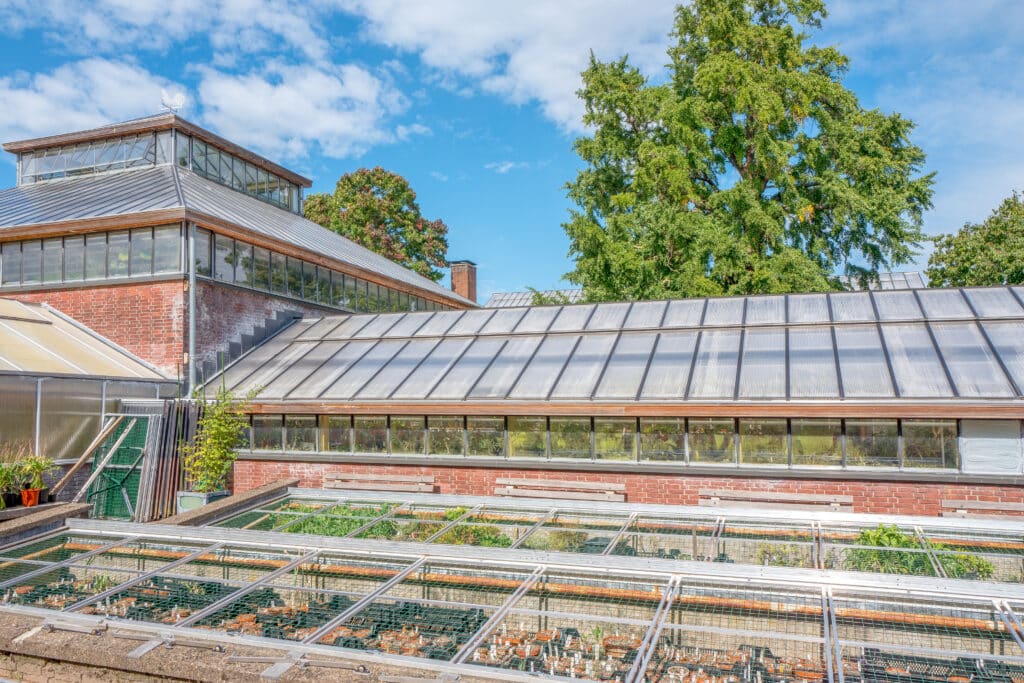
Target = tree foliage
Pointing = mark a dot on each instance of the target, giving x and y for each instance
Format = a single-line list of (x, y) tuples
[(988, 253), (377, 209), (210, 456), (750, 168)]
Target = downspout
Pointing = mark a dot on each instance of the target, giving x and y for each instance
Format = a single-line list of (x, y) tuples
[(191, 227)]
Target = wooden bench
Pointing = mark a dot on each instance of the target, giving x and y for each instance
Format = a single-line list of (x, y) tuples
[(566, 490), (980, 508), (413, 483), (775, 500)]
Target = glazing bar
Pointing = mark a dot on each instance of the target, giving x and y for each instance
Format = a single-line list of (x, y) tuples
[(70, 561), (496, 618)]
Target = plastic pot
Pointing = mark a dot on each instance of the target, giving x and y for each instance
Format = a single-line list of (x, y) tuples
[(12, 500), (30, 497)]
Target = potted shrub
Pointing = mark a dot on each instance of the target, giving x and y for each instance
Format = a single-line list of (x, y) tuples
[(33, 469), (9, 496), (210, 457)]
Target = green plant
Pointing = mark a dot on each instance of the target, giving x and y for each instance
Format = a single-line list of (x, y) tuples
[(211, 455), (781, 555), (883, 557), (33, 469), (8, 478)]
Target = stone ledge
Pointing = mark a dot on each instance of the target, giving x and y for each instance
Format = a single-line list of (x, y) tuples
[(234, 503), (41, 521)]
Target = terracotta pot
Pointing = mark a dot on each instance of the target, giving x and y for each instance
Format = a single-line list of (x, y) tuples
[(30, 497)]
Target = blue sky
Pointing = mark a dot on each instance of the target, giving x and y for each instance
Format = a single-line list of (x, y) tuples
[(474, 101)]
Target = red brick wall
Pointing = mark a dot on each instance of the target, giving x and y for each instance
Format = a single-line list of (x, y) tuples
[(905, 498), (464, 279), (147, 319)]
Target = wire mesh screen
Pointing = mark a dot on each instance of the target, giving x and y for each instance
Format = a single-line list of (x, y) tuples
[(115, 492)]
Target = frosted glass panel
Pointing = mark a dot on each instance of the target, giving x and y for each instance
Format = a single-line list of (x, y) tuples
[(542, 372), (538, 319), (608, 317), (464, 374), (432, 369), (395, 372), (471, 322), (970, 360), (301, 370), (714, 371), (626, 368), (505, 369), (944, 303), (439, 323), (363, 370), (572, 318), (915, 363), (763, 372), (379, 326), (331, 370), (851, 306), (670, 366), (408, 325), (684, 313), (321, 328), (584, 368), (994, 302), (503, 321), (812, 365), (272, 358), (1008, 340), (808, 308), (897, 305), (766, 310), (862, 363), (645, 314), (349, 327), (724, 311)]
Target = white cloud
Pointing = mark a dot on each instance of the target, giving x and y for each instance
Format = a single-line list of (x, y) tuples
[(438, 176), (503, 167)]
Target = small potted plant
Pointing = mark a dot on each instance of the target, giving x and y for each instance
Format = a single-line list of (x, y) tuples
[(9, 497), (33, 469), (211, 455)]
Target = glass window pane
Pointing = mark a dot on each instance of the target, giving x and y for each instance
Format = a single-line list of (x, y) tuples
[(572, 318), (614, 438), (371, 433), (142, 252), (763, 371), (96, 256), (851, 306), (224, 258), (464, 373), (1008, 339), (407, 435), (167, 249), (584, 368), (897, 305), (267, 432), (118, 253), (712, 439), (812, 369), (970, 360), (503, 321), (323, 287), (204, 244), (335, 433), (74, 258), (419, 382), (669, 369), (871, 443), (338, 297), (915, 362), (53, 257), (645, 314), (542, 372), (944, 303), (31, 261), (243, 264), (444, 435), (570, 437), (663, 439), (714, 371), (994, 302), (294, 277), (538, 319), (608, 316), (398, 369), (763, 442), (684, 313), (470, 322), (808, 308), (766, 310), (725, 311), (862, 362), (817, 442), (181, 149), (626, 367), (363, 370), (261, 268), (278, 273), (505, 369), (930, 443), (308, 281), (11, 264), (527, 437), (299, 432), (485, 436)]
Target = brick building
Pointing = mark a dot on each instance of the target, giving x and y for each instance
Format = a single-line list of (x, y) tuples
[(180, 246)]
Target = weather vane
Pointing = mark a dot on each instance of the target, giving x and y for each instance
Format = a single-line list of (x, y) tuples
[(172, 103)]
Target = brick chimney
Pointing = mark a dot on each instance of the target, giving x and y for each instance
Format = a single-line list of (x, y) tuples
[(464, 279)]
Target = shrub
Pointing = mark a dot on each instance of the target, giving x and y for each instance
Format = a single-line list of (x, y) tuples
[(211, 455)]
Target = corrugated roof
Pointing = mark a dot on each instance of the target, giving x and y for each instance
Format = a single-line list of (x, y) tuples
[(510, 299), (36, 340), (154, 188), (930, 344)]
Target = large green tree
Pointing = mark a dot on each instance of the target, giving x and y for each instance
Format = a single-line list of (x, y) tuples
[(750, 168), (987, 253), (377, 209)]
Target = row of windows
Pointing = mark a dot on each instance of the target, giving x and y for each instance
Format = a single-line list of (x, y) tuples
[(794, 442), (139, 252), (227, 169), (98, 156), (229, 260)]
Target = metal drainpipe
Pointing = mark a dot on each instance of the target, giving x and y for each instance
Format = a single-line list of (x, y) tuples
[(191, 227)]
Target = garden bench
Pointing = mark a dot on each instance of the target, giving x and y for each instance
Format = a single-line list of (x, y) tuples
[(979, 508), (775, 500), (411, 483), (551, 488)]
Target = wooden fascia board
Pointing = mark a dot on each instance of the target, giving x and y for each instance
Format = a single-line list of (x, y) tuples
[(96, 224)]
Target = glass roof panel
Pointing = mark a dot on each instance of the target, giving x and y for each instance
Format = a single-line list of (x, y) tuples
[(684, 313), (897, 304), (608, 316), (944, 303), (766, 310), (812, 363), (361, 371), (724, 311), (407, 326), (572, 318), (328, 373), (301, 370), (265, 363), (808, 308), (851, 307), (645, 314), (322, 328), (994, 302), (538, 319), (438, 323), (714, 372), (585, 366), (379, 326), (349, 327), (419, 383), (1008, 339), (763, 372), (915, 362), (471, 322), (970, 360), (503, 321), (45, 348), (542, 372), (670, 365), (862, 363), (626, 367), (464, 374), (9, 308), (395, 372), (505, 370)]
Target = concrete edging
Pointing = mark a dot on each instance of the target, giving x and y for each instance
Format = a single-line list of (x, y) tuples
[(233, 503), (42, 521)]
